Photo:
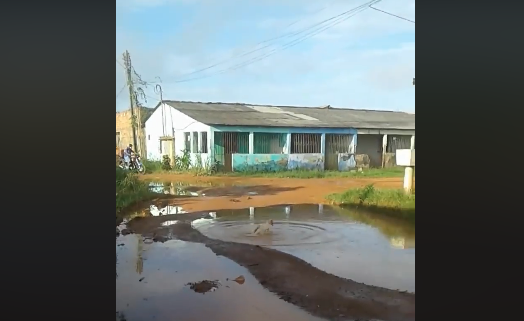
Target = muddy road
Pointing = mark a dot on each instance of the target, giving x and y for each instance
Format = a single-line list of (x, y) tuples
[(242, 192), (290, 278), (319, 263)]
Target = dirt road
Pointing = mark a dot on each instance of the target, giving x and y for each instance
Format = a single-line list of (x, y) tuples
[(242, 192), (292, 279)]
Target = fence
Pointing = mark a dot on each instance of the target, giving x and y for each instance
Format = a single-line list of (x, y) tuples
[(227, 144), (265, 143), (306, 143), (336, 144)]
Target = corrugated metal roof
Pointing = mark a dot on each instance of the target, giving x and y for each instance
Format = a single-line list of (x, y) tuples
[(236, 114)]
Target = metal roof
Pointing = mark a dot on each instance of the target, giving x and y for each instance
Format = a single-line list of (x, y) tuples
[(237, 114)]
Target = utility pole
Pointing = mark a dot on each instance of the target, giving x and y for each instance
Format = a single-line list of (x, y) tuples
[(128, 70)]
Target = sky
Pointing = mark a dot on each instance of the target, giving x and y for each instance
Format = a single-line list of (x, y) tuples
[(269, 52)]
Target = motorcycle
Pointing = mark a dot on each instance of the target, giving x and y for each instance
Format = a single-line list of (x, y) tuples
[(135, 164)]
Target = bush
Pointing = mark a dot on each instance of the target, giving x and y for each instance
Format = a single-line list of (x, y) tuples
[(129, 189)]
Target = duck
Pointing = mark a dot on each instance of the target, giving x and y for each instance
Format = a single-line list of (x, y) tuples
[(263, 228)]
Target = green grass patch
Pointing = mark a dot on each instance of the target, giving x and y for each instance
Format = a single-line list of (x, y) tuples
[(304, 174), (129, 189), (390, 202), (152, 166)]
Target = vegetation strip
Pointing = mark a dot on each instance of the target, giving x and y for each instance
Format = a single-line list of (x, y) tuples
[(390, 202)]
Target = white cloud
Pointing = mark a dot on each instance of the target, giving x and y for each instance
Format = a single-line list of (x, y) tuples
[(326, 70)]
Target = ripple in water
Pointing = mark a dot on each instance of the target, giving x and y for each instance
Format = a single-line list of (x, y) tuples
[(289, 233), (356, 245)]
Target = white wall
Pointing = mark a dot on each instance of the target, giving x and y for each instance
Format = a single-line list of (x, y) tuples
[(176, 122)]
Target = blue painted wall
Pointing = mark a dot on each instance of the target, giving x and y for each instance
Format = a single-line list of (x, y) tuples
[(285, 130), (277, 162), (346, 162), (259, 162), (306, 161)]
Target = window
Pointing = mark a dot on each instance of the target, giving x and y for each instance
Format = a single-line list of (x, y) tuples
[(305, 143), (117, 139), (195, 143), (187, 141), (204, 142), (148, 137)]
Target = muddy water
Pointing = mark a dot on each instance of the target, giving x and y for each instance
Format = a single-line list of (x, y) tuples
[(152, 277), (354, 245)]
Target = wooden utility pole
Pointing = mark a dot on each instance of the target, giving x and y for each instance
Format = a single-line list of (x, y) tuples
[(128, 70)]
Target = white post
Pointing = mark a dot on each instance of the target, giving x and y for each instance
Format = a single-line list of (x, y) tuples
[(408, 179), (251, 142), (288, 144), (412, 142), (323, 144), (199, 142), (251, 213), (288, 212), (384, 149), (353, 144), (406, 157)]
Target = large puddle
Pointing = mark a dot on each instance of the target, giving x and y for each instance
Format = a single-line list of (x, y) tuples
[(152, 283), (363, 247)]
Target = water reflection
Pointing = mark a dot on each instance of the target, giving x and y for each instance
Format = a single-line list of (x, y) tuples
[(167, 210), (171, 189), (361, 246), (160, 293)]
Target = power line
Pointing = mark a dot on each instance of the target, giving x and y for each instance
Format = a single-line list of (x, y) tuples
[(290, 34), (120, 91), (118, 62), (394, 15), (336, 20)]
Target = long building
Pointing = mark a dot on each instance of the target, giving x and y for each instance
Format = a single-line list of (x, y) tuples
[(243, 137)]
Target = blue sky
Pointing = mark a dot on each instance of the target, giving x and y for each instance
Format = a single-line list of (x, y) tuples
[(367, 61)]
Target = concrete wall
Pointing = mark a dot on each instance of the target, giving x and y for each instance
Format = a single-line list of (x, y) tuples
[(362, 161), (176, 124), (346, 162), (371, 145), (123, 127), (306, 161), (260, 162), (277, 162)]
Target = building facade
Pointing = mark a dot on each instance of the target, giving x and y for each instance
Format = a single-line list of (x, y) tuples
[(240, 137)]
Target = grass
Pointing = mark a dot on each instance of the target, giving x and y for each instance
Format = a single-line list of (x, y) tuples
[(152, 166), (305, 174), (129, 190), (389, 202), (156, 166)]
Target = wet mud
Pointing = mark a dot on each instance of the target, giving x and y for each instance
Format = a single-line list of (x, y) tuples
[(293, 279), (154, 283), (241, 192)]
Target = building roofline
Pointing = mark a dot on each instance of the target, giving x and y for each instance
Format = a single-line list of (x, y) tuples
[(283, 106)]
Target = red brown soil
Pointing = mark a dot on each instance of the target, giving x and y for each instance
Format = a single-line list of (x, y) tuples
[(293, 279), (270, 191)]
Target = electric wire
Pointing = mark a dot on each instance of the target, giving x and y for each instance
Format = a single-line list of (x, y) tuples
[(333, 21), (394, 15)]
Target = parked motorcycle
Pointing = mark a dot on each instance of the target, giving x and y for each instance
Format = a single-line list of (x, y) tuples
[(134, 165)]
